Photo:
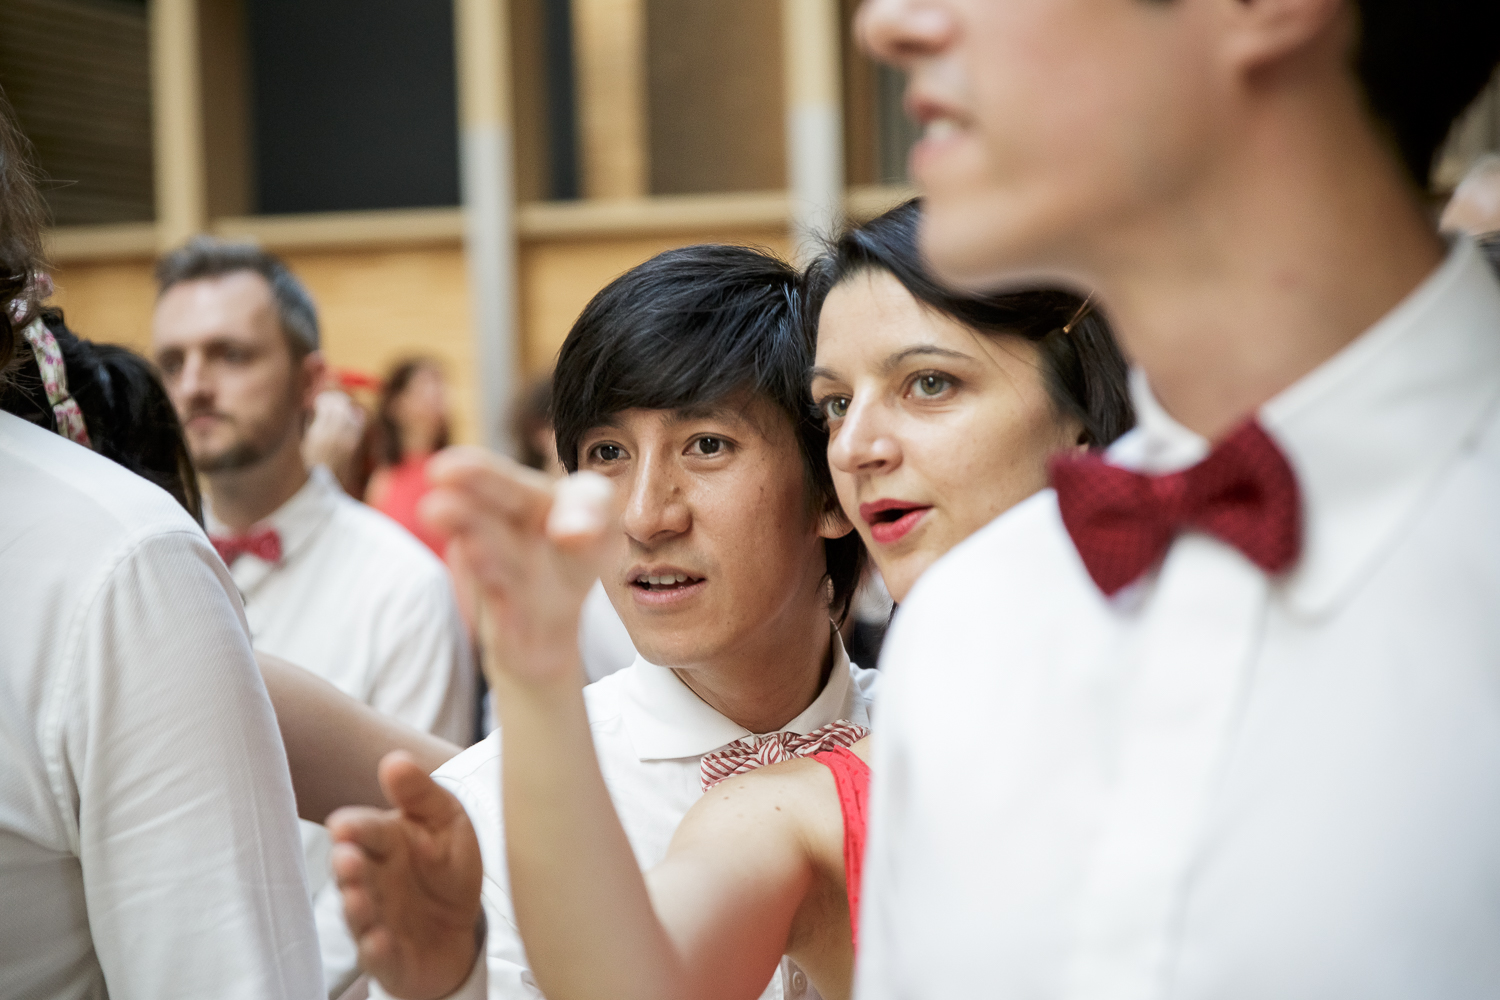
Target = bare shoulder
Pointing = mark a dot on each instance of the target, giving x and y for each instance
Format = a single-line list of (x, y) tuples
[(793, 803)]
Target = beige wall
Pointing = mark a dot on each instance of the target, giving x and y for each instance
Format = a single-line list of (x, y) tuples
[(378, 306)]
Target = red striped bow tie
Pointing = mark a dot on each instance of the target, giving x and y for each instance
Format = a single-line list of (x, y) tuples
[(1122, 522), (747, 754), (263, 544)]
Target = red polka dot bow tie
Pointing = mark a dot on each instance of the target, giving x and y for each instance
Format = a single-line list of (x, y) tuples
[(263, 544), (1244, 493), (751, 752)]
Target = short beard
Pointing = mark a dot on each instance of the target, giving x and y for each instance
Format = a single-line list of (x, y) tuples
[(232, 459)]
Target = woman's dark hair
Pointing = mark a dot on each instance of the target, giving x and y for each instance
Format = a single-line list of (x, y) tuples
[(691, 328), (22, 215), (1082, 365), (1421, 63), (128, 414), (387, 431)]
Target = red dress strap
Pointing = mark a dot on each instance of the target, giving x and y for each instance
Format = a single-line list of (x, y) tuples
[(852, 777)]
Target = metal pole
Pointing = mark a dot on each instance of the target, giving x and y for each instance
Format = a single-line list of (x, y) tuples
[(488, 182), (811, 49)]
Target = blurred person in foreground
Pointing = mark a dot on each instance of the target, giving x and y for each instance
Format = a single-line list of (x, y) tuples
[(1475, 205), (411, 425), (148, 836), (328, 583), (1228, 693)]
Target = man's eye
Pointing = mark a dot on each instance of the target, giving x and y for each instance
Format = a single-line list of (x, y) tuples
[(709, 445), (931, 385), (836, 407), (608, 453)]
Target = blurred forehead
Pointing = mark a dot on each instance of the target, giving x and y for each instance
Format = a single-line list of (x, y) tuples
[(237, 305)]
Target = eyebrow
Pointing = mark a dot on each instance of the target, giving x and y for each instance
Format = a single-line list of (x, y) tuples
[(894, 361)]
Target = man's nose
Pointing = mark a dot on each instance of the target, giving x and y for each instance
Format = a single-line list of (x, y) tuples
[(900, 31), (864, 442), (656, 506), (193, 382)]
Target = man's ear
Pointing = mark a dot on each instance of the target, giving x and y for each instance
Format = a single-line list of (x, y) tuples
[(314, 377), (833, 522), (1262, 33)]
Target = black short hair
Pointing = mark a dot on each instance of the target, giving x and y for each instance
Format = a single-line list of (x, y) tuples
[(126, 410), (1084, 370), (693, 327), (1421, 63), (22, 215), (208, 257)]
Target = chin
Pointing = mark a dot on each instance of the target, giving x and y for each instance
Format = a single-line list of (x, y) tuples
[(986, 240)]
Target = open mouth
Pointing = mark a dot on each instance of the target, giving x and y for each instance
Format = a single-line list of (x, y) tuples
[(658, 583), (890, 520)]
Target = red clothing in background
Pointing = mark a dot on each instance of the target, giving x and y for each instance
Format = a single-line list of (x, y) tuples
[(406, 485)]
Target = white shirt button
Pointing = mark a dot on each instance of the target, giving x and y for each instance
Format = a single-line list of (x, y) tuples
[(799, 981)]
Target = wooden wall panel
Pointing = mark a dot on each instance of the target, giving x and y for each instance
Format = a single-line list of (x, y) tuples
[(78, 76), (108, 302), (717, 111)]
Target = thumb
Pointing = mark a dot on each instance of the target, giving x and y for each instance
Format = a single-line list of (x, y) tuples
[(412, 790)]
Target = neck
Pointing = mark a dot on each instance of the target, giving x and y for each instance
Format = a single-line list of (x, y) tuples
[(417, 441), (241, 497), (764, 686), (1243, 286)]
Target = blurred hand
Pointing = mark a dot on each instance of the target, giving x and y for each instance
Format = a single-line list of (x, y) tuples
[(411, 879), (530, 547), (335, 434)]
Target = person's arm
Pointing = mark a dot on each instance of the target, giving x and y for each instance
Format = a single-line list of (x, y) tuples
[(424, 673), (188, 848), (334, 743), (581, 903)]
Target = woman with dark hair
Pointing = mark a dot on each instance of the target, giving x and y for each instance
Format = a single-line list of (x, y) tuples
[(942, 411), (411, 424)]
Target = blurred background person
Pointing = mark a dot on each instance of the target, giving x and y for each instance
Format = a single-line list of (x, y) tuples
[(1475, 205), (328, 583), (338, 436), (411, 423)]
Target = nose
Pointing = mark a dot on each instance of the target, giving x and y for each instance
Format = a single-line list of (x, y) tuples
[(656, 507), (899, 32), (865, 442), (191, 384)]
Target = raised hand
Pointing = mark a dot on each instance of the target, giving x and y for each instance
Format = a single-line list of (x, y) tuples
[(411, 879), (530, 546)]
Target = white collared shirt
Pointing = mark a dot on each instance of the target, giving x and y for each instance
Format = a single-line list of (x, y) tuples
[(1220, 784), (650, 731), (357, 600), (148, 834)]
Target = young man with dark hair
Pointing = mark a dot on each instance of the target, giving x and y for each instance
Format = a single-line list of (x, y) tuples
[(682, 383), (1247, 743), (328, 583)]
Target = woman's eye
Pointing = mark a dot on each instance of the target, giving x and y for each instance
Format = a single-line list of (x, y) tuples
[(608, 452), (931, 385), (836, 407), (709, 445)]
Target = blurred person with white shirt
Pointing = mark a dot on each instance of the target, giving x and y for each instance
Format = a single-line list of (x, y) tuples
[(1229, 690), (328, 583), (148, 838)]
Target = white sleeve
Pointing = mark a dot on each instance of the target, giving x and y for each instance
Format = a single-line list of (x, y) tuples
[(187, 828), (425, 676)]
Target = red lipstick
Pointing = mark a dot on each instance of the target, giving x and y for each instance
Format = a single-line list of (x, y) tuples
[(891, 520)]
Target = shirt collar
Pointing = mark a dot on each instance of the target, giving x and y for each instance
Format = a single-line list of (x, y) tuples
[(297, 522), (1370, 430), (667, 721)]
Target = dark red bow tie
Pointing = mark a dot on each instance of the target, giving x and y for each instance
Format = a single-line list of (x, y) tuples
[(263, 544), (1122, 522)]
